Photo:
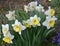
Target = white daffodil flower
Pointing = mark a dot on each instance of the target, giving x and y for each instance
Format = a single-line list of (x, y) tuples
[(26, 8), (11, 15), (8, 38), (49, 22), (40, 8), (50, 12), (5, 29), (32, 5), (26, 23), (35, 21), (18, 27)]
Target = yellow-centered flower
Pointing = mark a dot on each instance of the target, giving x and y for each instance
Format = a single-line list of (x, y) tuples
[(35, 20), (40, 8), (52, 12), (18, 27), (32, 5), (49, 22), (5, 29), (26, 8), (26, 23), (11, 15), (6, 39)]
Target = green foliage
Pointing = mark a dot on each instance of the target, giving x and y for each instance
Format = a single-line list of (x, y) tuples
[(55, 3), (33, 36)]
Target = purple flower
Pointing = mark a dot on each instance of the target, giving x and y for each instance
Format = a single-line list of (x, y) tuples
[(54, 39), (37, 0), (58, 40), (58, 33), (58, 44)]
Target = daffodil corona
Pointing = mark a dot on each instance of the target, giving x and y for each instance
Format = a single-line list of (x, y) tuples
[(52, 12), (35, 21), (51, 23), (6, 39), (17, 28)]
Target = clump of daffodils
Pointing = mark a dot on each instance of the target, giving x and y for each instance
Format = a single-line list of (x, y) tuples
[(32, 21), (33, 6), (8, 37)]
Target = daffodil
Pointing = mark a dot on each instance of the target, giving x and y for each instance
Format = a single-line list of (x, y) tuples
[(40, 8), (32, 5), (35, 21), (5, 29), (18, 27), (50, 12), (8, 38), (49, 22), (26, 8), (26, 23), (11, 15)]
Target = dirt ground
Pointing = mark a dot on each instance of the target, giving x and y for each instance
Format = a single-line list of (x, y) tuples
[(17, 3), (13, 4)]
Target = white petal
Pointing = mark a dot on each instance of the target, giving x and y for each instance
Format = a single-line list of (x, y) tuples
[(16, 22), (11, 42), (43, 10), (12, 24), (7, 34), (12, 36), (7, 26), (10, 12), (54, 18), (23, 27), (20, 32), (13, 11), (39, 24), (35, 16), (2, 25), (45, 23), (49, 7), (48, 27), (31, 18)]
